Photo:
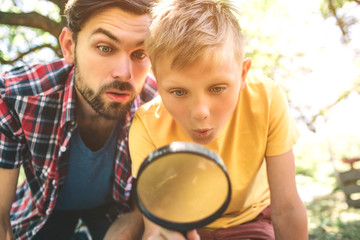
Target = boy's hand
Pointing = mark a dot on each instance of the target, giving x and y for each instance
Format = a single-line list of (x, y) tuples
[(165, 234), (155, 232)]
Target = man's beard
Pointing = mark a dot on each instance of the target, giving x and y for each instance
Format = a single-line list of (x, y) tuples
[(110, 111)]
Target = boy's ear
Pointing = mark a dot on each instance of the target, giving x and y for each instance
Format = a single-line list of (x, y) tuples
[(67, 45), (245, 69)]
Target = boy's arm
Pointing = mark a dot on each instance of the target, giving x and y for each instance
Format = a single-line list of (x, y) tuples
[(153, 231), (287, 210), (135, 226), (8, 183), (128, 226), (125, 227)]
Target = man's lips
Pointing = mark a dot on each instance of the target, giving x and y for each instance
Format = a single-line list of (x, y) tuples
[(118, 96)]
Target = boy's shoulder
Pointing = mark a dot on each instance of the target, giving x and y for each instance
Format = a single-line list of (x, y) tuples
[(259, 79), (258, 84)]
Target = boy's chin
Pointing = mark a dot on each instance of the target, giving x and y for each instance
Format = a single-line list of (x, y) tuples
[(203, 141)]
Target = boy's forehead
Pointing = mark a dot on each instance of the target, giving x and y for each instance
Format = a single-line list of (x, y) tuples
[(201, 66), (209, 59)]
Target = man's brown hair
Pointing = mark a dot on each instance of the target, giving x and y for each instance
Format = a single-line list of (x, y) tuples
[(77, 12)]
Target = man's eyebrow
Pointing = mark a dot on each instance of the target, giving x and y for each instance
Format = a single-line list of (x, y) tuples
[(113, 37), (107, 33)]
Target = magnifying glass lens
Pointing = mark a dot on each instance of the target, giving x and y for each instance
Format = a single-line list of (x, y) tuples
[(182, 187)]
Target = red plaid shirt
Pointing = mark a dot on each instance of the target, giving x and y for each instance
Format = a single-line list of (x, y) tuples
[(36, 123)]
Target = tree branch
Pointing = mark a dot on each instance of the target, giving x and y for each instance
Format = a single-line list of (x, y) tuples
[(32, 19), (342, 97), (21, 55), (60, 4), (339, 20)]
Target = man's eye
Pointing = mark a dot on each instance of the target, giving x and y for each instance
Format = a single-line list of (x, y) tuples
[(139, 55), (178, 92), (105, 49)]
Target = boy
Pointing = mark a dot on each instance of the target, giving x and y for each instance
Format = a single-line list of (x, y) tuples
[(197, 52)]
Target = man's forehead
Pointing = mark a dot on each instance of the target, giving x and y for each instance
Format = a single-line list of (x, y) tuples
[(117, 24)]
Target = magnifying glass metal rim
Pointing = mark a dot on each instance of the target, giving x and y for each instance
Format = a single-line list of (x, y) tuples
[(183, 147)]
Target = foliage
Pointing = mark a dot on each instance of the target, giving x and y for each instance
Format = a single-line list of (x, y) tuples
[(29, 29), (327, 5), (335, 8), (331, 219)]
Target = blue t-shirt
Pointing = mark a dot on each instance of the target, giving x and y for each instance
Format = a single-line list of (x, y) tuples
[(88, 181)]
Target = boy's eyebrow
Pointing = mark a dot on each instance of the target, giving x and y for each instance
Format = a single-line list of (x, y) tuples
[(113, 37)]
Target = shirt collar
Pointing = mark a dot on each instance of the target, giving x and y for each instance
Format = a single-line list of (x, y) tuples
[(69, 101)]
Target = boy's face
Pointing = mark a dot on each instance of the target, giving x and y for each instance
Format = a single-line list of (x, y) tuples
[(110, 59), (201, 97)]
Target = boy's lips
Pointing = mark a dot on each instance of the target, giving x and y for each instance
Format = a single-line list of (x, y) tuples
[(118, 96), (202, 132)]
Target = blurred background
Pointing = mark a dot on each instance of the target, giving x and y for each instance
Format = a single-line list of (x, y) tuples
[(311, 47)]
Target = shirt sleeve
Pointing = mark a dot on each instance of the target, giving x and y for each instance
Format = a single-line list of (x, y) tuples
[(149, 90), (140, 143), (12, 142), (282, 130)]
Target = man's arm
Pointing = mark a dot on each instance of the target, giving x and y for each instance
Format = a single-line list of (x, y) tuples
[(8, 183), (288, 213)]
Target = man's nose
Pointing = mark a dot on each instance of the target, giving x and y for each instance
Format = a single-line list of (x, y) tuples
[(122, 68)]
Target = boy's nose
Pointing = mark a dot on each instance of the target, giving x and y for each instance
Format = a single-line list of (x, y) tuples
[(122, 69), (200, 111)]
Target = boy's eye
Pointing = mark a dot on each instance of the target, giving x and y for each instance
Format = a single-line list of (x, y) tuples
[(217, 89), (139, 55), (178, 92), (105, 49)]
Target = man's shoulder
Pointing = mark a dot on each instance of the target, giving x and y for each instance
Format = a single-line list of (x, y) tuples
[(152, 106), (33, 79)]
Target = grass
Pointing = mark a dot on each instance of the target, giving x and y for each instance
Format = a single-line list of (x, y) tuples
[(330, 218)]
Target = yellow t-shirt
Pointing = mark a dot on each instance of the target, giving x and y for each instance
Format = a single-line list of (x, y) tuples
[(260, 126)]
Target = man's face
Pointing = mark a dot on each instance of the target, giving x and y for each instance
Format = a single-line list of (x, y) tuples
[(201, 97), (110, 61)]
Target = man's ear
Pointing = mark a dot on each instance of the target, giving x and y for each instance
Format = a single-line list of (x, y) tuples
[(245, 69), (67, 45)]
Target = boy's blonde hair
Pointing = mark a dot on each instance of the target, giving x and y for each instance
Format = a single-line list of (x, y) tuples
[(187, 30)]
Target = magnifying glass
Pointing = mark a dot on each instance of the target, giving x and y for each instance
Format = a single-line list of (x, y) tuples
[(182, 186)]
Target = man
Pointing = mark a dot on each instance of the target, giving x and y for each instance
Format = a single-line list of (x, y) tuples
[(67, 122)]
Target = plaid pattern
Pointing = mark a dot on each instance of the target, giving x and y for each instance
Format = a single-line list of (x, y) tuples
[(36, 124)]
